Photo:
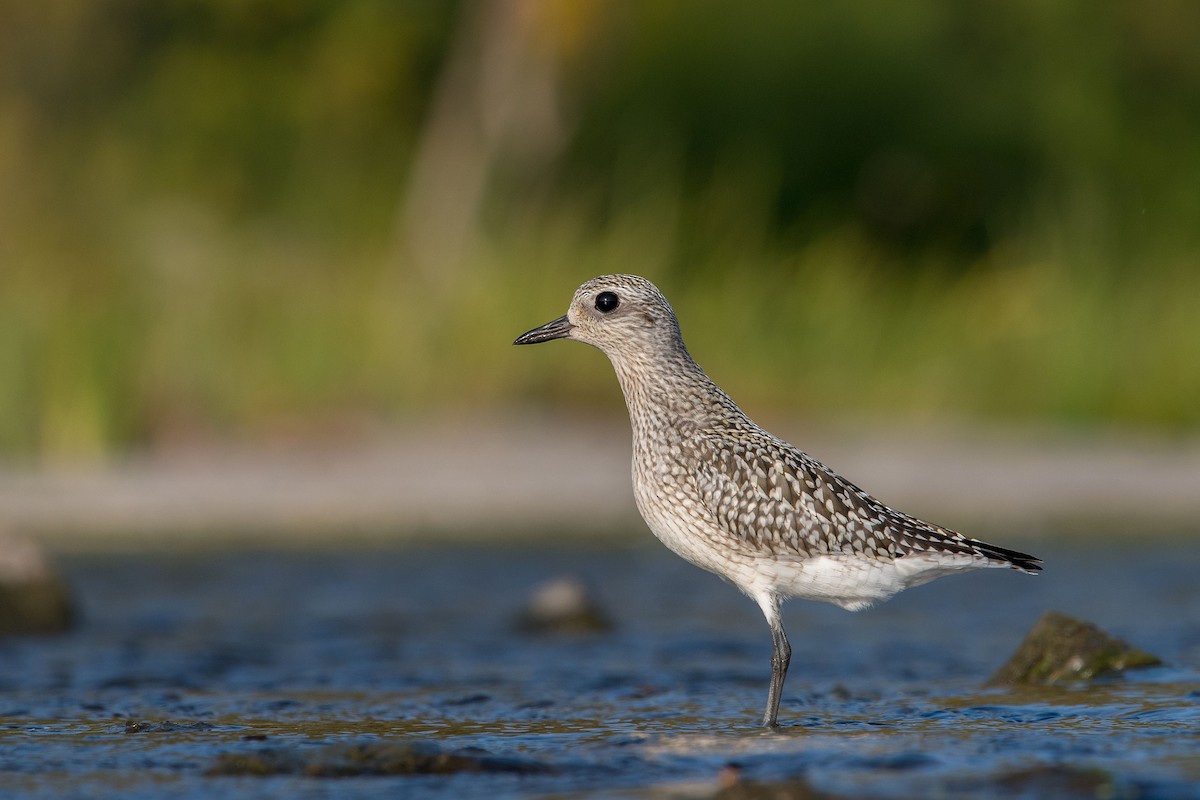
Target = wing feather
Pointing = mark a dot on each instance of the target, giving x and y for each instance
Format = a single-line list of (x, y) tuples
[(776, 498)]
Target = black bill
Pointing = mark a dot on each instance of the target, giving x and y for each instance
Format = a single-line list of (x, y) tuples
[(554, 329)]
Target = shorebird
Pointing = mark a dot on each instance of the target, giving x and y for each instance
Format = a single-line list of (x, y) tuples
[(735, 500)]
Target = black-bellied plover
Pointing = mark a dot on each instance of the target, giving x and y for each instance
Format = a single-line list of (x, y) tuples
[(735, 500)]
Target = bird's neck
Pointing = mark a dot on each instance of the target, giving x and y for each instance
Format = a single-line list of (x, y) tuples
[(667, 388)]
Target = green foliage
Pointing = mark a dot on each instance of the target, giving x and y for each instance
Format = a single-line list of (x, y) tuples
[(929, 208)]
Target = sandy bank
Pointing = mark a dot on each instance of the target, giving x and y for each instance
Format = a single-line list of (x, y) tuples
[(512, 475)]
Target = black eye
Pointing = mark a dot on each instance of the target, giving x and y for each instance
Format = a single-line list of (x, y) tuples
[(606, 302)]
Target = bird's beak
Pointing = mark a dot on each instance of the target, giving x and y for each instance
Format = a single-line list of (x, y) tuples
[(555, 329)]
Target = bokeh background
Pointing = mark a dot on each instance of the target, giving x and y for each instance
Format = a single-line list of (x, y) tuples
[(272, 469), (245, 220)]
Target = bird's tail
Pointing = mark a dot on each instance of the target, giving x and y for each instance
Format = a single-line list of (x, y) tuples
[(1013, 558)]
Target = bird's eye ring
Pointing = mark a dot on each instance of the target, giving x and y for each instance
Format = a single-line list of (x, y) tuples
[(606, 302)]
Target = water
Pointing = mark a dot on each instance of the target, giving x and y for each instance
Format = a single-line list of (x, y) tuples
[(183, 660)]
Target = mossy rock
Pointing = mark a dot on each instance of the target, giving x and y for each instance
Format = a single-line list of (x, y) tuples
[(33, 598), (792, 789), (42, 606), (563, 606), (1043, 780), (1061, 649), (344, 760)]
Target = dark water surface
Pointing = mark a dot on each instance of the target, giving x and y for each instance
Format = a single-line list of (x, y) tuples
[(184, 659)]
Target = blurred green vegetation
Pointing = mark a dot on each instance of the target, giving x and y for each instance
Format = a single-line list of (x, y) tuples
[(242, 218)]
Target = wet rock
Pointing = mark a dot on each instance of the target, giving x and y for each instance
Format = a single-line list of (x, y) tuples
[(1053, 780), (469, 700), (165, 726), (259, 762), (735, 787), (373, 758), (33, 598), (1061, 649), (562, 605)]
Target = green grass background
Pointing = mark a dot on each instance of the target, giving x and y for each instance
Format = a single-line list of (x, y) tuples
[(984, 211)]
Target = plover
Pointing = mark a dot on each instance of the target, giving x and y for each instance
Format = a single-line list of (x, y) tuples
[(735, 500)]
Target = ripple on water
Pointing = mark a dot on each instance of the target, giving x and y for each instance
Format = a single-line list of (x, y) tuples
[(183, 662)]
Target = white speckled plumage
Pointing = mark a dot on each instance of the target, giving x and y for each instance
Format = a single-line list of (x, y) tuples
[(731, 498)]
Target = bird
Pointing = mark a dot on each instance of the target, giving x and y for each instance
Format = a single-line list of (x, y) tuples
[(735, 500)]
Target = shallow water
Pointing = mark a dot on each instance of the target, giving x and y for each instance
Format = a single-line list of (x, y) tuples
[(184, 659)]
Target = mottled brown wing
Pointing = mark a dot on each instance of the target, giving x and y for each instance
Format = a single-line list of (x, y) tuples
[(778, 499)]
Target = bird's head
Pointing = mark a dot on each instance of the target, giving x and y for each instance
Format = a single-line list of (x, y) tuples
[(622, 315)]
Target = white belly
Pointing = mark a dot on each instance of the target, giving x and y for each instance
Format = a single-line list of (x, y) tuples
[(852, 581)]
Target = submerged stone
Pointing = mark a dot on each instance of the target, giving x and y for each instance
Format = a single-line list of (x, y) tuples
[(33, 598), (563, 605), (1050, 780), (259, 762), (373, 758), (165, 726), (734, 787), (1061, 649)]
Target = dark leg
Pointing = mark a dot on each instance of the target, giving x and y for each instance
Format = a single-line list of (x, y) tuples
[(781, 656)]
